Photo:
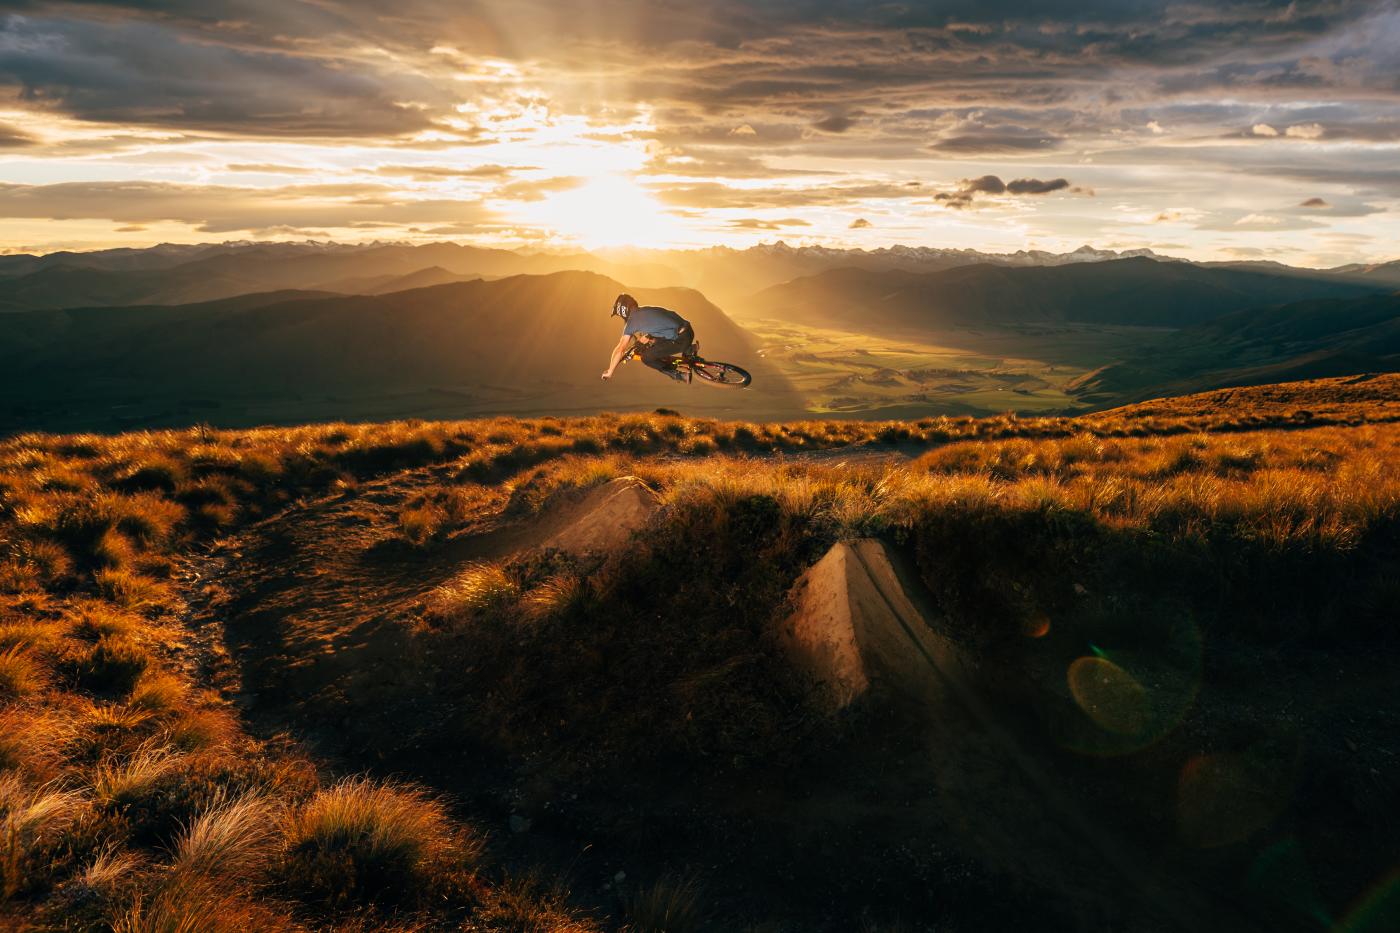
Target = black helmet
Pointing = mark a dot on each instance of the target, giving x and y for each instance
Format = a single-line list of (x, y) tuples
[(624, 305)]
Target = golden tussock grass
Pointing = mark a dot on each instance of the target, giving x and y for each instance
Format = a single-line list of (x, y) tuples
[(109, 868), (359, 840), (528, 905), (189, 907), (479, 588), (93, 619), (90, 528), (127, 589), (41, 637), (31, 820), (233, 838), (20, 674), (31, 742), (114, 664), (158, 693), (553, 596), (201, 729), (123, 782)]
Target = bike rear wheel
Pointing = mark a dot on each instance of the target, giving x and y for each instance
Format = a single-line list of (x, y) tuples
[(719, 374)]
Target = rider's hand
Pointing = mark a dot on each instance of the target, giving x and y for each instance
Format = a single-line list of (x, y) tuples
[(607, 375)]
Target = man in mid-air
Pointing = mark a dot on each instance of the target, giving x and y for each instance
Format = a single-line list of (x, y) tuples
[(662, 334)]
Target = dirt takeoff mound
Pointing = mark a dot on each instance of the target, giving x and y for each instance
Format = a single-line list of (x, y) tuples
[(604, 519), (859, 628), (314, 605)]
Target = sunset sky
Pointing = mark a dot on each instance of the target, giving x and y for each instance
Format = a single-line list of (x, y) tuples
[(1255, 129)]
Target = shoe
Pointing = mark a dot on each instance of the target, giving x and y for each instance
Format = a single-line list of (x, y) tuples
[(679, 376)]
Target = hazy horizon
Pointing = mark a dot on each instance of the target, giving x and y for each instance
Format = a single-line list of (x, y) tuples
[(1241, 130)]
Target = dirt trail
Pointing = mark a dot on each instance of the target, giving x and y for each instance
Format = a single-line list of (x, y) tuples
[(312, 603), (295, 601)]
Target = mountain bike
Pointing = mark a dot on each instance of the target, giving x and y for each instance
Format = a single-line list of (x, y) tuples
[(693, 366)]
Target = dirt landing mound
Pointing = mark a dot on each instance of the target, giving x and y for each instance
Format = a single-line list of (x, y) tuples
[(856, 629), (604, 519)]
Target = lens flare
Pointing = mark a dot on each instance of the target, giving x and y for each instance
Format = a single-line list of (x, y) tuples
[(1110, 696), (1379, 910), (1227, 797), (1129, 686)]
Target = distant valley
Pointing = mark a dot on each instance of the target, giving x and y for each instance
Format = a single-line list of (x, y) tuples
[(239, 334)]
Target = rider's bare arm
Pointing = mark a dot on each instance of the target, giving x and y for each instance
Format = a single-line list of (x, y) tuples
[(618, 353)]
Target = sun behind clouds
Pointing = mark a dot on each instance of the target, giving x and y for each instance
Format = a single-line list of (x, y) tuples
[(604, 211)]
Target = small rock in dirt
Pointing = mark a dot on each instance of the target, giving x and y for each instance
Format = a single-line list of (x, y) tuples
[(1081, 590), (620, 877), (519, 824)]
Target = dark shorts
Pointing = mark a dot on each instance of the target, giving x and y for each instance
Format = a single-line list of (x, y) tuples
[(658, 352)]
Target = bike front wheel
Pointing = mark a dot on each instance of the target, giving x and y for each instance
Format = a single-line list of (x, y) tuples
[(720, 374)]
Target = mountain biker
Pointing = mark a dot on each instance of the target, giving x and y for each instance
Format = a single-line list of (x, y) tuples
[(661, 333)]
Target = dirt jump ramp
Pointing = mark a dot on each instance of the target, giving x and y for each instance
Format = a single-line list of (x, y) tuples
[(857, 629), (603, 520)]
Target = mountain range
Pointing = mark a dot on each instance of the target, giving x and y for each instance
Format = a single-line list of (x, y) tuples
[(1136, 292), (521, 343), (175, 274)]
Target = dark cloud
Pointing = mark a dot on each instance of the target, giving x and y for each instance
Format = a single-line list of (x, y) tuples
[(997, 141), (1315, 202), (987, 184), (835, 124), (1036, 186), (147, 74), (964, 195), (860, 223)]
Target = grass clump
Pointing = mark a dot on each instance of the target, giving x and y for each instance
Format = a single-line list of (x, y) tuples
[(33, 636), (157, 692), (200, 729), (128, 589), (477, 589), (668, 905), (360, 841), (32, 821), (20, 674), (125, 783), (113, 665), (427, 517), (185, 907), (30, 742), (94, 620), (233, 838)]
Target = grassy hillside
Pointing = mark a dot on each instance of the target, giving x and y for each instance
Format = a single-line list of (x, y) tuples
[(1137, 291), (520, 343), (1303, 340), (560, 744)]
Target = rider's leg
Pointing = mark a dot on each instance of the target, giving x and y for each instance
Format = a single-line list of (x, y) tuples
[(658, 354)]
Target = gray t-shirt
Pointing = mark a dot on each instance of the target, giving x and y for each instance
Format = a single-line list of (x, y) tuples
[(657, 322)]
